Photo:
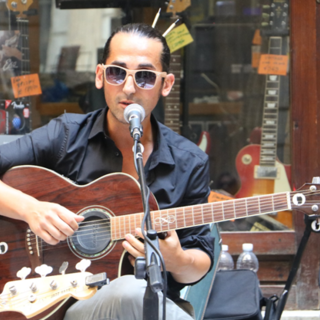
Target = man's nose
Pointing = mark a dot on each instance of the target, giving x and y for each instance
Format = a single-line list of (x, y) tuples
[(129, 86)]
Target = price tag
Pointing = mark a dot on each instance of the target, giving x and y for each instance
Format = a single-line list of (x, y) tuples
[(25, 86), (273, 64), (178, 38)]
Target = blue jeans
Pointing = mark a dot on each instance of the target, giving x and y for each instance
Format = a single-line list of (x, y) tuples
[(122, 299)]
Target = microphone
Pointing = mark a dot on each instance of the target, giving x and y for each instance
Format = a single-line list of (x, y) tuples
[(134, 114)]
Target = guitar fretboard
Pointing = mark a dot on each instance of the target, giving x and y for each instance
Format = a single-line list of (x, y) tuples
[(23, 25), (269, 135), (172, 102), (184, 217)]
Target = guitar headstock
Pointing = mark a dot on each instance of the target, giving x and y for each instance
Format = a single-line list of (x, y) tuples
[(307, 199), (175, 6), (33, 296), (20, 7), (276, 19)]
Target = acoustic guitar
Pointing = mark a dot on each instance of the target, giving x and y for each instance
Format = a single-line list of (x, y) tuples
[(112, 207)]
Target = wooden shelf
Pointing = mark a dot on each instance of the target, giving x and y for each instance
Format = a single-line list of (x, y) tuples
[(215, 108), (58, 108)]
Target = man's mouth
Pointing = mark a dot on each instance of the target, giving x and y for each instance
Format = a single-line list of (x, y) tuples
[(126, 102)]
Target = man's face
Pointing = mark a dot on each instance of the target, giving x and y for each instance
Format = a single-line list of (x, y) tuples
[(133, 52)]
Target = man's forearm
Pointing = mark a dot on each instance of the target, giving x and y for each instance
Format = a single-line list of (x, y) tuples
[(13, 202), (191, 266)]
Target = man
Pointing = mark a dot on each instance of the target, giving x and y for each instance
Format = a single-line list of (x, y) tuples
[(85, 147)]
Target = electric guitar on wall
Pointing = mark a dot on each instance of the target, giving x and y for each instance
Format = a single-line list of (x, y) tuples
[(259, 169), (112, 208), (172, 102)]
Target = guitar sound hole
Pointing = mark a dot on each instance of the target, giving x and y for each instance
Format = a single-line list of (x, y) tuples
[(93, 236)]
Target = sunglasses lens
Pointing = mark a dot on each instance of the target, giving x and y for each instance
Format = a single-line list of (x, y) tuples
[(146, 79), (115, 75)]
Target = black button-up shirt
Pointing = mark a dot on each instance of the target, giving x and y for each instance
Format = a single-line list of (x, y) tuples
[(77, 146)]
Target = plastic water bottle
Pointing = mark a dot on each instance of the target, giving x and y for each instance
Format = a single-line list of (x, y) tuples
[(247, 259), (226, 261)]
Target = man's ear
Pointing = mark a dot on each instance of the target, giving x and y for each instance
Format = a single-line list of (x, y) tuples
[(167, 85), (99, 76)]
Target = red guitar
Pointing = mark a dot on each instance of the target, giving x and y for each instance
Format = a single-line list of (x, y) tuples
[(112, 207), (259, 169)]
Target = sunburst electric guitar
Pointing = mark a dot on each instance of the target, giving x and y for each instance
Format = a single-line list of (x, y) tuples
[(259, 169)]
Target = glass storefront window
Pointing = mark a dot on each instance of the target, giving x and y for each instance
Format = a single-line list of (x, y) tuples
[(224, 90)]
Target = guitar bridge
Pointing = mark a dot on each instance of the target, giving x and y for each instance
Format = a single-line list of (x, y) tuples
[(33, 249)]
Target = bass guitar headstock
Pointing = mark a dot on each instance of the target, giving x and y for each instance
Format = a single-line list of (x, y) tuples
[(33, 296), (19, 7), (175, 6)]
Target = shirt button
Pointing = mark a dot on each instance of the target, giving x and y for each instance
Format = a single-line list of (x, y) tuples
[(117, 154)]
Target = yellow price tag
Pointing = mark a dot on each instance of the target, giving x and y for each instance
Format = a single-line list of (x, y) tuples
[(178, 38)]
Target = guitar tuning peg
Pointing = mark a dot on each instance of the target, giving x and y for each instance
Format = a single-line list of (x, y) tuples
[(23, 273), (63, 267), (43, 270), (83, 265)]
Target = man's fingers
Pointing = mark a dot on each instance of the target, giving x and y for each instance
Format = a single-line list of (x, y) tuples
[(70, 219), (134, 246)]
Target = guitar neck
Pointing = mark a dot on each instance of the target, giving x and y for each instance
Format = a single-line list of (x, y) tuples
[(268, 151), (172, 102), (23, 25), (185, 217)]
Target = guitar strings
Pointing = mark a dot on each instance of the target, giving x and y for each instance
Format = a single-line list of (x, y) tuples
[(106, 234), (127, 229)]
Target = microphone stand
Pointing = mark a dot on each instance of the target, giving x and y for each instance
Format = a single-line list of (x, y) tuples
[(149, 267), (312, 225)]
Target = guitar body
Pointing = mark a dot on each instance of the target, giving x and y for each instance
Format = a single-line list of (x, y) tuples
[(246, 160), (118, 194)]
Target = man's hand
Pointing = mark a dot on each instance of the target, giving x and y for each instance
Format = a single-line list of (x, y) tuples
[(170, 248), (49, 221), (52, 222), (186, 266)]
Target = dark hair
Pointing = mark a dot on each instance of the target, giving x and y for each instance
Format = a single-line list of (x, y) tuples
[(143, 30)]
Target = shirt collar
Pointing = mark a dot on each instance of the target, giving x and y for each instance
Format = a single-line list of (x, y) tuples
[(98, 126), (161, 152)]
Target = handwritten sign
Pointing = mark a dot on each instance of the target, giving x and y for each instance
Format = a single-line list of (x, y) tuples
[(25, 86), (273, 64), (178, 38)]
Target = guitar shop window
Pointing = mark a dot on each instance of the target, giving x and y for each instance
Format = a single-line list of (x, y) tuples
[(231, 95)]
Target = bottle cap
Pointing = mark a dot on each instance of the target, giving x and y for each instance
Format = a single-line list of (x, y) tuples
[(224, 247), (247, 246)]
